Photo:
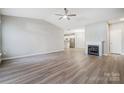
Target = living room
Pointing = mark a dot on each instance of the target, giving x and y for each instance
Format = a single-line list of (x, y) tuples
[(61, 45)]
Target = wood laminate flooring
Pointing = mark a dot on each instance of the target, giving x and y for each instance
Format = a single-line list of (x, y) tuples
[(71, 66)]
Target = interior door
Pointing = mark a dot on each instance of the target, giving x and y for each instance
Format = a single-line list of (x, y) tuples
[(115, 41), (72, 42)]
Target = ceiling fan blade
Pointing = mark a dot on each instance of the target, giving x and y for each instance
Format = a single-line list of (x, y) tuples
[(66, 10), (72, 15), (60, 18), (68, 18), (59, 14)]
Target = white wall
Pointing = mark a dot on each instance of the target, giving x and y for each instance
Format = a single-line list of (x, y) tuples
[(123, 38), (96, 33), (24, 36), (0, 36)]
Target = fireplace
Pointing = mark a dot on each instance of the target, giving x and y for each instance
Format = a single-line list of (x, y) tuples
[(93, 50)]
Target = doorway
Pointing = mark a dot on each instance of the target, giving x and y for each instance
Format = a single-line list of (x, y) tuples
[(69, 40), (74, 39), (115, 38), (72, 42)]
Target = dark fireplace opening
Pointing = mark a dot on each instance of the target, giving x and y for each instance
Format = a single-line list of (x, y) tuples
[(93, 50)]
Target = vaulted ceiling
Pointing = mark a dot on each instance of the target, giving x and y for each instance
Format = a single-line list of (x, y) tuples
[(84, 16)]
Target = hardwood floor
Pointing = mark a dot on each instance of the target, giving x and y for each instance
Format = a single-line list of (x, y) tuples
[(71, 66)]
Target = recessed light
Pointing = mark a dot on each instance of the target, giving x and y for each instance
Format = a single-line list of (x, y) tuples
[(121, 19)]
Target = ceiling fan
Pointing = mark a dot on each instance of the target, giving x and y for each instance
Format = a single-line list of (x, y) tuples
[(66, 15)]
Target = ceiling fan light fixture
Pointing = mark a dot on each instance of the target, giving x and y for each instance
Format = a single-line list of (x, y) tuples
[(65, 16)]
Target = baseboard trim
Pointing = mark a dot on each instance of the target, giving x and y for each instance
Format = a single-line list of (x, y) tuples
[(10, 58)]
